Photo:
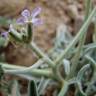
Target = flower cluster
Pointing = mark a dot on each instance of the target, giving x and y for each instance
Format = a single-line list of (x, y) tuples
[(26, 17)]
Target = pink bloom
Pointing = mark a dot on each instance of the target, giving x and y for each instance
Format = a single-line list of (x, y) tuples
[(5, 34), (27, 16)]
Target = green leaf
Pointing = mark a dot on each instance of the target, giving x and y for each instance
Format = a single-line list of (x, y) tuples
[(42, 85), (63, 36), (82, 71), (32, 89)]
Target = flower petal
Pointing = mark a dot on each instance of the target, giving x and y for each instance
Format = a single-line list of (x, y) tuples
[(20, 21), (4, 34), (26, 13), (37, 21), (36, 12)]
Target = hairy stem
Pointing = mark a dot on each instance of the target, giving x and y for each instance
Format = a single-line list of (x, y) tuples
[(47, 60), (75, 59), (75, 40), (41, 54), (34, 72), (11, 66), (63, 89)]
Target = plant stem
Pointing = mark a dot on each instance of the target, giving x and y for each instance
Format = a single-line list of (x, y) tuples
[(13, 69), (78, 36), (47, 60), (88, 9), (64, 89), (33, 72), (75, 59), (11, 66), (91, 60), (93, 79), (41, 54)]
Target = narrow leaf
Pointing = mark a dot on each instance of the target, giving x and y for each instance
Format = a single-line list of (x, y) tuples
[(32, 89)]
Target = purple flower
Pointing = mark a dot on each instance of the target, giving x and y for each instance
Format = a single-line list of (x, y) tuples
[(4, 34), (28, 17)]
